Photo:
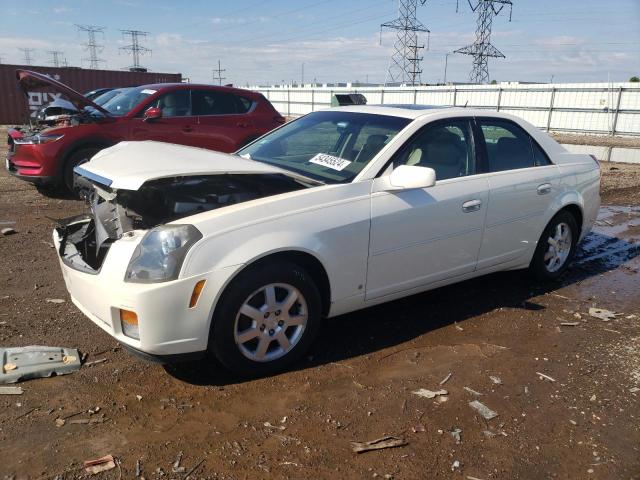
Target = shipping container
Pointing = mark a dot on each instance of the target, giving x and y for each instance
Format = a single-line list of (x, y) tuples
[(15, 108)]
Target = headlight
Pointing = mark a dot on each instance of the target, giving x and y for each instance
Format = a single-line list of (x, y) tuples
[(37, 139), (159, 256)]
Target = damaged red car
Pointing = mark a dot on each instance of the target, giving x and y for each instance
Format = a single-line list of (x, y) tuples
[(216, 118)]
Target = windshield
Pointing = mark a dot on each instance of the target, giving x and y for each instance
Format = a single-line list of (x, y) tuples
[(107, 96), (122, 104), (331, 146)]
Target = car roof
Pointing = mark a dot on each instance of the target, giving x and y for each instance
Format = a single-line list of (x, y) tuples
[(413, 111), (220, 88)]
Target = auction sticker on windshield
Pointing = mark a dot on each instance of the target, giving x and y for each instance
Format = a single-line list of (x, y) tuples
[(329, 161)]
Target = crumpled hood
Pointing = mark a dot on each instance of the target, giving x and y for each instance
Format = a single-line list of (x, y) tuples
[(128, 165), (29, 81)]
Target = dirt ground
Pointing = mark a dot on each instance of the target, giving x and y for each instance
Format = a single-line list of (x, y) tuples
[(580, 420), (599, 140)]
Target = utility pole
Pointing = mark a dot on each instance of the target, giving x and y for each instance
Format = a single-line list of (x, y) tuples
[(446, 61), (218, 78), (134, 47), (482, 49), (404, 66), (55, 58), (92, 45), (27, 55)]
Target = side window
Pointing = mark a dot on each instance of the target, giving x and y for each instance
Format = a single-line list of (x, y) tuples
[(174, 104), (244, 104), (509, 147), (446, 147), (210, 102)]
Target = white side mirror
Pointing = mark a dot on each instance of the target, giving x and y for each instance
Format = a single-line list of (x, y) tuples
[(406, 177)]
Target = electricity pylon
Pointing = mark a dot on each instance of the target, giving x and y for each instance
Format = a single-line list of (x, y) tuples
[(482, 49), (404, 66)]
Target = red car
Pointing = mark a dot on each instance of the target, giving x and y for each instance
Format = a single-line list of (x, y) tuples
[(217, 118)]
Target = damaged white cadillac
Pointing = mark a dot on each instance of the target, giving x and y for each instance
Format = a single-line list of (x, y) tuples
[(188, 251)]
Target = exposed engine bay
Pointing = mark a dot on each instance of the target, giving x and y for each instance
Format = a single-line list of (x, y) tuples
[(85, 239)]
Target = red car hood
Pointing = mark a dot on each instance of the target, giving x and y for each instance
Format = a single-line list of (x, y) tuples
[(29, 81)]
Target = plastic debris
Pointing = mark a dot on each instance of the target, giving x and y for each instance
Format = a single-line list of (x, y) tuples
[(455, 433), (570, 324), (138, 468), (378, 444), (176, 464), (455, 465), (276, 427), (472, 391), (546, 377), (602, 314), (446, 379), (634, 389), (99, 464), (483, 410), (24, 363), (8, 231), (11, 391), (55, 300), (423, 392), (496, 380)]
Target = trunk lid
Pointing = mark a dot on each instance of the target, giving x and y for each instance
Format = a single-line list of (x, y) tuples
[(32, 81)]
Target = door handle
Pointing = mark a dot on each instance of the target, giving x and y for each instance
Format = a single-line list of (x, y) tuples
[(187, 128), (471, 206), (242, 124), (544, 189)]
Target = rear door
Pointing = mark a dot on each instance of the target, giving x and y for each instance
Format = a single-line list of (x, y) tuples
[(522, 185), (223, 120), (177, 124), (422, 236)]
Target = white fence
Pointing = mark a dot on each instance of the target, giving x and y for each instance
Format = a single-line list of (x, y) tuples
[(598, 108)]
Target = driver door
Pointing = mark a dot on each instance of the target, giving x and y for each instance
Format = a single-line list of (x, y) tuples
[(423, 236), (177, 124)]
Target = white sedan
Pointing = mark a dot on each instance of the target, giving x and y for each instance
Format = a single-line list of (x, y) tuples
[(188, 251)]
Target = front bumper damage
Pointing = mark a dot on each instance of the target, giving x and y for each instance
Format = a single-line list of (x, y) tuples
[(168, 329)]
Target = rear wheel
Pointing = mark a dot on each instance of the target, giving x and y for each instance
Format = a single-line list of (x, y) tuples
[(77, 158), (556, 247), (267, 318)]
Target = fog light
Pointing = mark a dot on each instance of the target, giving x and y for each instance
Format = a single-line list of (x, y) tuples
[(129, 323), (195, 295)]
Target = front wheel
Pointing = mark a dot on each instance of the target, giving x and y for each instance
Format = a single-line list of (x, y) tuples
[(556, 247), (266, 319), (77, 158)]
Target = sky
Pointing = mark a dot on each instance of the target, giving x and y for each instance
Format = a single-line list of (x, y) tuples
[(268, 41)]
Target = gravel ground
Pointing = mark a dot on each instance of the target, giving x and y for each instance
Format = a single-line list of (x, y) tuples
[(580, 420)]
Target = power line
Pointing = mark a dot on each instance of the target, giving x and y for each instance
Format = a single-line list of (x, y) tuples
[(482, 49), (92, 45), (56, 61), (134, 47), (404, 66), (27, 55), (219, 76)]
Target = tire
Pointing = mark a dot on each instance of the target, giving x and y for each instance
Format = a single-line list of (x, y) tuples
[(242, 354), (549, 263), (77, 158)]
